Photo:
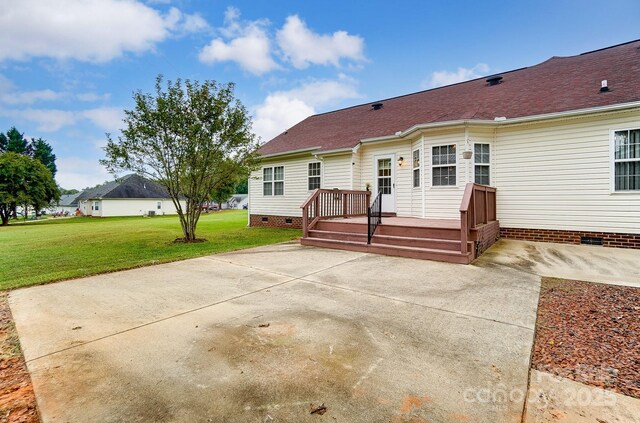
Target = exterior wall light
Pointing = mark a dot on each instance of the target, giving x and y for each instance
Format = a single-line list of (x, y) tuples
[(400, 161)]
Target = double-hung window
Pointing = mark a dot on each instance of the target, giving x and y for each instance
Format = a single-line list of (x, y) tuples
[(443, 165), (416, 168), (314, 172), (626, 160), (482, 163), (273, 180)]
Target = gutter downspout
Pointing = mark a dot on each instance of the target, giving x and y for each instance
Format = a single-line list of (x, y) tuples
[(249, 201)]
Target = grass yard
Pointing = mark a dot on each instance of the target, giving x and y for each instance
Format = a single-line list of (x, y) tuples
[(39, 252)]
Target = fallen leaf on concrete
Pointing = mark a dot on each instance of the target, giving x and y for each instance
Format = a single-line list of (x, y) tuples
[(264, 325), (318, 409), (76, 328)]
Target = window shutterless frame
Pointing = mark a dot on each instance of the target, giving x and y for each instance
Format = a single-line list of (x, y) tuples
[(482, 163), (444, 165), (625, 160), (273, 181), (416, 166), (314, 175)]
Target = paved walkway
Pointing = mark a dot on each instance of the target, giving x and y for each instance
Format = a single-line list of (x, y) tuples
[(258, 335)]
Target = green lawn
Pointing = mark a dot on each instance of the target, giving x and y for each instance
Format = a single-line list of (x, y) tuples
[(55, 249)]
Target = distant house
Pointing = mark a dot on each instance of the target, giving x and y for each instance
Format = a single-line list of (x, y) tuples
[(131, 195), (237, 201), (68, 204)]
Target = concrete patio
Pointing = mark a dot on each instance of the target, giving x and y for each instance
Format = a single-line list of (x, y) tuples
[(258, 335)]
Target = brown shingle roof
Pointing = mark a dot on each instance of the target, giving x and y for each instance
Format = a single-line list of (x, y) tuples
[(556, 85)]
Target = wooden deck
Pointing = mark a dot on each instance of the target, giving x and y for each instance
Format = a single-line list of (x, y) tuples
[(431, 239), (337, 219)]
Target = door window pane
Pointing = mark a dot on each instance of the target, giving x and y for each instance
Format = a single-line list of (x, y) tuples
[(384, 176)]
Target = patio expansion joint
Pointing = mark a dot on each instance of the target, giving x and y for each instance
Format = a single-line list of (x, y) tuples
[(182, 313), (442, 310)]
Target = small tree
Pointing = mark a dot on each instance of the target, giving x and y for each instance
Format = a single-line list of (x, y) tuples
[(188, 137), (24, 181)]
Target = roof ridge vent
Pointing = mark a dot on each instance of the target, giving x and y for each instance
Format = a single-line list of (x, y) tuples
[(494, 80), (377, 106)]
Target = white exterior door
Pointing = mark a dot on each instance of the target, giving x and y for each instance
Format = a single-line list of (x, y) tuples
[(385, 181)]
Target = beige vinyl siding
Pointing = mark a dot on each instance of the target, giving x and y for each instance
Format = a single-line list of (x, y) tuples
[(558, 176), (443, 202), (335, 174), (402, 174), (356, 183)]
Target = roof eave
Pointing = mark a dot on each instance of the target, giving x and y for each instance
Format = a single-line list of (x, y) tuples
[(500, 122), (286, 153)]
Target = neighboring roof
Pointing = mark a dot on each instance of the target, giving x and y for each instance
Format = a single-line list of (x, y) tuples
[(69, 200), (556, 85), (130, 186), (239, 197)]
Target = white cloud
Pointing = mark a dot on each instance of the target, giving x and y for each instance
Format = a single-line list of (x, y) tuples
[(441, 78), (74, 172), (47, 120), (108, 119), (29, 97), (10, 95), (95, 31), (283, 109), (277, 113), (303, 47), (247, 43), (91, 97)]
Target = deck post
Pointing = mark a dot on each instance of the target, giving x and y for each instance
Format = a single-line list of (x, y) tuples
[(464, 233), (344, 205), (305, 222)]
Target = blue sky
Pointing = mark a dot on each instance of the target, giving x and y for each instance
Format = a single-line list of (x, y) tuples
[(68, 67)]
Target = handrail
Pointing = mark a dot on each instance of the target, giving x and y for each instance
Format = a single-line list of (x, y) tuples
[(374, 216), (478, 207), (327, 203)]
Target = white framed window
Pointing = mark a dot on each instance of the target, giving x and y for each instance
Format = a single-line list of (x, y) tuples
[(482, 164), (314, 175), (443, 165), (626, 160), (273, 180), (416, 168), (96, 205), (159, 205)]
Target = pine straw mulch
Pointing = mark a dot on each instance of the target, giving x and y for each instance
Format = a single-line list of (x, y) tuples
[(590, 333), (17, 400)]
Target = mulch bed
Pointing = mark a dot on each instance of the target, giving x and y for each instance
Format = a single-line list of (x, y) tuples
[(590, 333), (17, 400)]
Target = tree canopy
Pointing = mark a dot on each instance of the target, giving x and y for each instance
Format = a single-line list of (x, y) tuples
[(191, 137), (42, 151), (24, 181)]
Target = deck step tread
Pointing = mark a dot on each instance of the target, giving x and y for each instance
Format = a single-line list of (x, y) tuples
[(395, 247)]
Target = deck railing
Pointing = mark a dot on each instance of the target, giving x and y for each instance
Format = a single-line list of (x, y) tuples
[(478, 207), (374, 216), (328, 203)]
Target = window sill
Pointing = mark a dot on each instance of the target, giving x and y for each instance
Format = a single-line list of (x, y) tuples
[(636, 192)]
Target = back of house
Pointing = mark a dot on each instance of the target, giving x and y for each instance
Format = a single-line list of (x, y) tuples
[(560, 142)]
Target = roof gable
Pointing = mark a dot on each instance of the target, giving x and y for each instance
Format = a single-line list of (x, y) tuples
[(130, 186), (556, 85)]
